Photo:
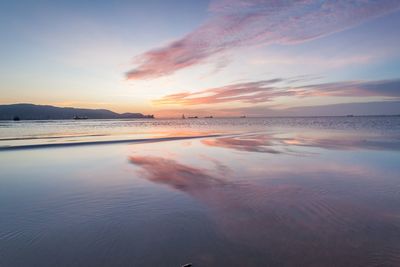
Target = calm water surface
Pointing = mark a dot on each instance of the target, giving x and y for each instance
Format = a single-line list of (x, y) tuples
[(266, 192), (75, 131)]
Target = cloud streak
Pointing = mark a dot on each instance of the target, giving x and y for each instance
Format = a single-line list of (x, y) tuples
[(238, 23), (267, 90)]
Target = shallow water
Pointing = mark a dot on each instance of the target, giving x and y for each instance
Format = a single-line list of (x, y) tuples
[(283, 194), (75, 131)]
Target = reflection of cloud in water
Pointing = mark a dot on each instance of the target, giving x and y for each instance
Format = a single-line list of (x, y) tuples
[(345, 143), (179, 176), (297, 223), (252, 143), (274, 144)]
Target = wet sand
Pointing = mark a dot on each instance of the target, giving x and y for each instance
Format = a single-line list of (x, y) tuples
[(271, 198)]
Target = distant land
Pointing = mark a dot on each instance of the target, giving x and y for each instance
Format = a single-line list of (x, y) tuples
[(45, 112)]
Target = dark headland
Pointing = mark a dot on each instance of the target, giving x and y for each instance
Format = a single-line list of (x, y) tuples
[(45, 112)]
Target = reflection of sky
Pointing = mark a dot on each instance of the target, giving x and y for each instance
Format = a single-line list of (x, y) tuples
[(287, 143), (311, 200), (193, 201)]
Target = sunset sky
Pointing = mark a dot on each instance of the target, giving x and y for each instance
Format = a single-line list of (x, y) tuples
[(219, 57)]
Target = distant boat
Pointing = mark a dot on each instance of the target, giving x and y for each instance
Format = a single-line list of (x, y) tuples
[(208, 117), (80, 118), (243, 116), (16, 118), (183, 116), (194, 117), (350, 115)]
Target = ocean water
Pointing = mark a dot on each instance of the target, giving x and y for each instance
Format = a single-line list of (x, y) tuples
[(211, 192), (75, 131)]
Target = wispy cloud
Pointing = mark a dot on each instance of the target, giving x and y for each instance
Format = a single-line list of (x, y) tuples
[(387, 88), (236, 23), (268, 90), (251, 92), (320, 62)]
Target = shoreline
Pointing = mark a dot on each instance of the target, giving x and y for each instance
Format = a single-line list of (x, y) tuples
[(107, 142)]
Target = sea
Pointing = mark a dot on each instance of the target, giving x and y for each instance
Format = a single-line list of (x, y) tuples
[(288, 191)]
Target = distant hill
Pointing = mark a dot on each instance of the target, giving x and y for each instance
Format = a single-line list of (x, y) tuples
[(42, 112)]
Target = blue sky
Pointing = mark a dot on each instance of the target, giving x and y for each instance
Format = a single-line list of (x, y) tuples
[(135, 55)]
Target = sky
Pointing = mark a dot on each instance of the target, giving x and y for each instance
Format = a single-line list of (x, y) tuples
[(217, 57)]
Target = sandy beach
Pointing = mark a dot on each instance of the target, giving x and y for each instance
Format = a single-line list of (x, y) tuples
[(273, 197)]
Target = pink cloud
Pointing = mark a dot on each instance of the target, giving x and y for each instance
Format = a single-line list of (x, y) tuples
[(268, 90), (236, 23), (251, 92)]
